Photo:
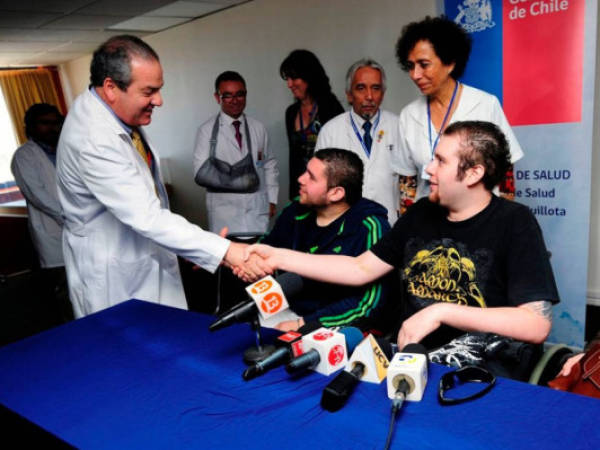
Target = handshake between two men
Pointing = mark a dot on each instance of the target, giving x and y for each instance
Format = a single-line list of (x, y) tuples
[(326, 297), (244, 264), (460, 281), (528, 321)]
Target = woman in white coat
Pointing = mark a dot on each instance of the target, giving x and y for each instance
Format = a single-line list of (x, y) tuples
[(435, 52)]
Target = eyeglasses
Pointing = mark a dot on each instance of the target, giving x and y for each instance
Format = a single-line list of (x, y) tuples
[(467, 374), (228, 97)]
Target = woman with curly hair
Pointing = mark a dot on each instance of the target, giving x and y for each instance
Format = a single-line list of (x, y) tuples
[(435, 52)]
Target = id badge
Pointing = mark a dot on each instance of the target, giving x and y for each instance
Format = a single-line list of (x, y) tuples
[(424, 174), (259, 159)]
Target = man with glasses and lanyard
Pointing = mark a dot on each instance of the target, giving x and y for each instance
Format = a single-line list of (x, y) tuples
[(369, 132), (237, 137)]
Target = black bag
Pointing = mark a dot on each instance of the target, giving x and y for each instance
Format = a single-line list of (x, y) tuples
[(218, 176)]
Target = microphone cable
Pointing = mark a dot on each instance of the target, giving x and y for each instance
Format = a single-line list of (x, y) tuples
[(403, 388)]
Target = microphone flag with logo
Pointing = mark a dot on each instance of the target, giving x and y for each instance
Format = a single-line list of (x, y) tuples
[(408, 368), (268, 296), (325, 350)]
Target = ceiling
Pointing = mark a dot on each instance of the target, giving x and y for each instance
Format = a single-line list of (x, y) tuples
[(50, 32)]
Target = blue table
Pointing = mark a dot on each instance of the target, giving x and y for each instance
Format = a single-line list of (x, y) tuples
[(140, 375)]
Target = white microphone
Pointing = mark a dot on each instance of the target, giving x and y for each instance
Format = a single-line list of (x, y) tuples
[(325, 350), (407, 374), (267, 297)]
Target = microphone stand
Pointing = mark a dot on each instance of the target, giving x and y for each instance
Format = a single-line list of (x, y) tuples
[(252, 355)]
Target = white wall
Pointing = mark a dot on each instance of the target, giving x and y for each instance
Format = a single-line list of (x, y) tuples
[(75, 77), (253, 39)]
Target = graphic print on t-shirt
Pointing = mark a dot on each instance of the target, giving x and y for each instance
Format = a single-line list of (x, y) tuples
[(444, 271)]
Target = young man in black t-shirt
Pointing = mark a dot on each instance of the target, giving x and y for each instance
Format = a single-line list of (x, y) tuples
[(470, 261)]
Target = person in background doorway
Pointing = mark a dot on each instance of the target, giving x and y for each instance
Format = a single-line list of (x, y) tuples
[(34, 168)]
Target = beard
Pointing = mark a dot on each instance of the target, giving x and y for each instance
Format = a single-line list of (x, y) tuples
[(434, 197), (369, 115)]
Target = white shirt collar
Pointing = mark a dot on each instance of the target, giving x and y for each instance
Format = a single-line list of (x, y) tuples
[(228, 120), (359, 121)]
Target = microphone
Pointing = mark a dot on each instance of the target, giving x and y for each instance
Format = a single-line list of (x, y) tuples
[(290, 346), (369, 362), (407, 375), (325, 351), (267, 297)]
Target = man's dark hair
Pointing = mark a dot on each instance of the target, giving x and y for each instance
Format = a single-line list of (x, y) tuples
[(228, 75), (452, 44), (481, 143), (36, 111), (113, 60), (345, 169), (304, 64)]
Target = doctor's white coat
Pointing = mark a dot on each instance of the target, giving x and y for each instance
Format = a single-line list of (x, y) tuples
[(381, 175), (36, 177), (120, 240)]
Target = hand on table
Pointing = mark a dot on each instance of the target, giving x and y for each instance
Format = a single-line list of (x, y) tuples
[(419, 325)]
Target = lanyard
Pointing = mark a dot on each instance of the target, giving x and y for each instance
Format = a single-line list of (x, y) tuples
[(434, 145), (359, 137), (310, 118)]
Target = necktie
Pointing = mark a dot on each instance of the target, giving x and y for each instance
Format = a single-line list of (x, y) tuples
[(138, 143), (139, 146), (238, 135), (367, 139)]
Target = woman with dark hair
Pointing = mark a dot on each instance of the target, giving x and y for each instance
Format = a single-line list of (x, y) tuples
[(314, 105), (435, 52)]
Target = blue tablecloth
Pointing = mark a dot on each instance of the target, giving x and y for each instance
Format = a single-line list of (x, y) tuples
[(140, 375)]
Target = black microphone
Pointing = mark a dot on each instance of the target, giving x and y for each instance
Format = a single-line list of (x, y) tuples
[(324, 348), (290, 346), (338, 391), (290, 283)]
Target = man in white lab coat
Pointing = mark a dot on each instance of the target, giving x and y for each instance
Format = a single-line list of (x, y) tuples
[(239, 139), (120, 239), (370, 132), (34, 168)]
